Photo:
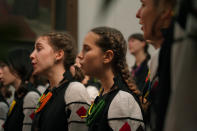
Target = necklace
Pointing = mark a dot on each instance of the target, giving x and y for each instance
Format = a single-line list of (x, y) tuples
[(43, 101), (11, 107), (95, 109)]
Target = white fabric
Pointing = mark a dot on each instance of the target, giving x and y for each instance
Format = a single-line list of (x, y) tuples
[(182, 112), (153, 65), (30, 102), (124, 105), (3, 113), (76, 96), (41, 88), (93, 92)]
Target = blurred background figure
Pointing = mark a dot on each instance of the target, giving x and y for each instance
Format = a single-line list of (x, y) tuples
[(155, 18), (139, 49), (4, 106), (182, 112), (17, 72)]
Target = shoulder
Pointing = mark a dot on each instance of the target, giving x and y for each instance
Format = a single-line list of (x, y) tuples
[(76, 91), (31, 94), (124, 105), (31, 98), (93, 92), (3, 106), (3, 109), (125, 113)]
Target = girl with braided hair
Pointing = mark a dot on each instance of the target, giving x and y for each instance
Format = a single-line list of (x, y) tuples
[(104, 57), (66, 100)]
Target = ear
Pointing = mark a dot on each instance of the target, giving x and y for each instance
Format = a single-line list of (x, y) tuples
[(59, 55), (108, 56), (166, 17), (143, 43)]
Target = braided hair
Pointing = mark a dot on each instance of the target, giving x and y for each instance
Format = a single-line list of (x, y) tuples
[(112, 39)]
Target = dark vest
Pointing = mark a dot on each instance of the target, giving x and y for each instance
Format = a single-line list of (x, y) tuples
[(53, 116), (14, 121), (101, 122)]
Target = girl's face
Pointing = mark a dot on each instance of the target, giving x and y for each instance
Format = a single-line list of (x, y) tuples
[(91, 56), (6, 76), (147, 14), (43, 56), (135, 46)]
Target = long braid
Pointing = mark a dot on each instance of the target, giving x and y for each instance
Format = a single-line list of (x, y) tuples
[(128, 78), (112, 39)]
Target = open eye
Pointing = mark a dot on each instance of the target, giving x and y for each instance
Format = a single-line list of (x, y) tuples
[(86, 48)]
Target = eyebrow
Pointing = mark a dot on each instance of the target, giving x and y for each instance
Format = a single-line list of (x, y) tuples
[(38, 44), (84, 44)]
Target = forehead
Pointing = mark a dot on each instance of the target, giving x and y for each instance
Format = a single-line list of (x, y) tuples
[(91, 38), (2, 64), (43, 41), (5, 68)]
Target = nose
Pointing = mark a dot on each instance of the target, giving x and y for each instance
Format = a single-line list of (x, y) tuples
[(80, 56), (1, 73), (32, 55), (138, 14)]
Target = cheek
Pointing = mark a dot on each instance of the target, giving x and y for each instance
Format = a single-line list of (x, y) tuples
[(91, 64), (8, 78), (130, 45)]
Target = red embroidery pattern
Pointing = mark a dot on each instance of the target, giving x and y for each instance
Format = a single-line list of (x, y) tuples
[(81, 112), (125, 127), (32, 115)]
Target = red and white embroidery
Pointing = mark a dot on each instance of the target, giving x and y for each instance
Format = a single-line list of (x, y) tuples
[(81, 112)]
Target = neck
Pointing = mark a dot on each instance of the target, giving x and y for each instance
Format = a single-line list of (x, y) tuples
[(107, 80), (17, 83), (55, 75), (157, 43), (140, 57)]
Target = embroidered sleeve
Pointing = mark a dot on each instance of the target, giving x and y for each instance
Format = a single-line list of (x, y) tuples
[(77, 103), (3, 113), (124, 113), (29, 106)]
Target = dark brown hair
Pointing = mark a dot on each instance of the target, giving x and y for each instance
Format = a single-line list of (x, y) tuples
[(65, 42), (140, 37), (112, 39)]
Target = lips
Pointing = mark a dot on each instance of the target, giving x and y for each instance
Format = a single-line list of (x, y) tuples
[(1, 79), (33, 64)]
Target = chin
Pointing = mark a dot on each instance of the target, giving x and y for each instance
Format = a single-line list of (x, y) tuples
[(35, 72)]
